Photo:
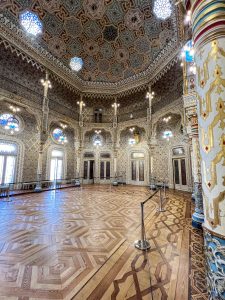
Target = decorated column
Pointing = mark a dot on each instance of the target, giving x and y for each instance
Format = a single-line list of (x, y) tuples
[(81, 106), (149, 130), (115, 106), (208, 24), (44, 130), (190, 105), (198, 216)]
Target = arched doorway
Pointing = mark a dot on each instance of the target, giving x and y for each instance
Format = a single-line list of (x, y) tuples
[(57, 164), (8, 157), (137, 168), (105, 167), (179, 163), (88, 168)]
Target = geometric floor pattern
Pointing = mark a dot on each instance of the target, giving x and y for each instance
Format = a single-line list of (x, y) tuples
[(78, 244)]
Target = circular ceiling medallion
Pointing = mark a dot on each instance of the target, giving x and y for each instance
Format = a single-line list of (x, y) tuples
[(95, 9), (134, 19), (122, 55), (110, 33)]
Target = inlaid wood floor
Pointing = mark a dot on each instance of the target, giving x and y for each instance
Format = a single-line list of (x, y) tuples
[(78, 244)]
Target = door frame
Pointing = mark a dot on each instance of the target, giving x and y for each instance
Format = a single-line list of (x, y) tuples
[(88, 180), (146, 166), (93, 158), (5, 158), (105, 160), (18, 173), (57, 159), (49, 156), (180, 187), (187, 158)]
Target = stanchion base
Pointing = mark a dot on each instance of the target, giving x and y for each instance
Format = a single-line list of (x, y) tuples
[(8, 200), (160, 210), (142, 245)]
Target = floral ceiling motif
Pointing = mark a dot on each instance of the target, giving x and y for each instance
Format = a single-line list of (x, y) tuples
[(115, 39)]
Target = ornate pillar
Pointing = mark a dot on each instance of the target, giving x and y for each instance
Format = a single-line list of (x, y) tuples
[(44, 130), (149, 130), (190, 105), (198, 216), (208, 24), (77, 146), (115, 105), (115, 155)]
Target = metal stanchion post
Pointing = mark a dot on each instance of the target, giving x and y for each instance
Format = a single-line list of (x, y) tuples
[(164, 187), (160, 209), (142, 244)]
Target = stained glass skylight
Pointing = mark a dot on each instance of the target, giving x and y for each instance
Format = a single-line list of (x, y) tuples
[(162, 9), (76, 64), (31, 23), (59, 136)]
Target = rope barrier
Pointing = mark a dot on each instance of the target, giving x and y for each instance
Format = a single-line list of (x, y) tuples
[(143, 244)]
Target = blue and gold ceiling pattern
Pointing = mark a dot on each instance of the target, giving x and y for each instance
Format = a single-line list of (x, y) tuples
[(115, 39)]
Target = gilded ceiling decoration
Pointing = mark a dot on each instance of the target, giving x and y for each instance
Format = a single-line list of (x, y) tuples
[(117, 40)]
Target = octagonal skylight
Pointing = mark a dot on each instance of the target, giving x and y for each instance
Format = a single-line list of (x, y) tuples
[(31, 23), (76, 64), (162, 9)]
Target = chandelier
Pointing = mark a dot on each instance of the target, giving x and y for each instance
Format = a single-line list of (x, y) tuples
[(162, 9)]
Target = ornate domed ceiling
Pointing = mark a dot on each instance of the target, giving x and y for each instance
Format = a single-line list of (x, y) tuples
[(117, 40)]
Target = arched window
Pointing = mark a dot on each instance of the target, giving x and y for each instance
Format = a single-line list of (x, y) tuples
[(8, 155), (56, 165), (59, 136), (98, 115), (10, 123)]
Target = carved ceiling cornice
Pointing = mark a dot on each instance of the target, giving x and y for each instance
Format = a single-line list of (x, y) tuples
[(15, 39)]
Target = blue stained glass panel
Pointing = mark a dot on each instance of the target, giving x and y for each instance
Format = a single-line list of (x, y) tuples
[(189, 56), (4, 119)]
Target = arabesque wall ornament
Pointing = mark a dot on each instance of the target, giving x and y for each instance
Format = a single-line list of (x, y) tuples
[(208, 24)]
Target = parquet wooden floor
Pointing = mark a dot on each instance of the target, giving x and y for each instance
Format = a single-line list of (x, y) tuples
[(78, 244)]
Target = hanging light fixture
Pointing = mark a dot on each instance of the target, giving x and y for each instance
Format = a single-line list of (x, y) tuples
[(167, 119), (162, 9)]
